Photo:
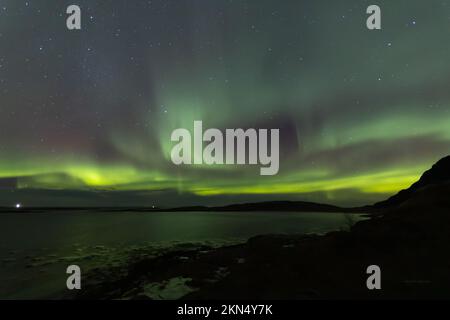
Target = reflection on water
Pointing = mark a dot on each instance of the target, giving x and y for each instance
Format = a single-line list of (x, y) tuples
[(36, 248)]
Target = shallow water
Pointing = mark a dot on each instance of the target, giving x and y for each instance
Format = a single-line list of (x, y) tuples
[(36, 248)]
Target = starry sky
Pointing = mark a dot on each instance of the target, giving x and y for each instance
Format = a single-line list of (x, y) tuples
[(86, 115)]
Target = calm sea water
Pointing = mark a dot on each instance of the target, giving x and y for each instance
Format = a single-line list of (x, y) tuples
[(35, 248)]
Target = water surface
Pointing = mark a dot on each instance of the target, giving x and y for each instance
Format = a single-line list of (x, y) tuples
[(35, 248)]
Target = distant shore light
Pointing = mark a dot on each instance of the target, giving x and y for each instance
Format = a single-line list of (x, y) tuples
[(18, 205)]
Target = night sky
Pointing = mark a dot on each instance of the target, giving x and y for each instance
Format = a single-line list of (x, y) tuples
[(86, 116)]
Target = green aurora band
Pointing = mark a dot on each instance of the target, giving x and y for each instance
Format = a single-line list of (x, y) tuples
[(361, 114)]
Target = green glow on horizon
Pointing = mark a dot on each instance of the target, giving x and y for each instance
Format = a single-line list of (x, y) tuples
[(373, 183)]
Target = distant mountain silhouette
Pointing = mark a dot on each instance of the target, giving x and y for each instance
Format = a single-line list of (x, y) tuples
[(437, 175), (297, 206)]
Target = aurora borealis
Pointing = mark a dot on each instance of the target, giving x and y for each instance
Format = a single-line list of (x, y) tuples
[(86, 115)]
